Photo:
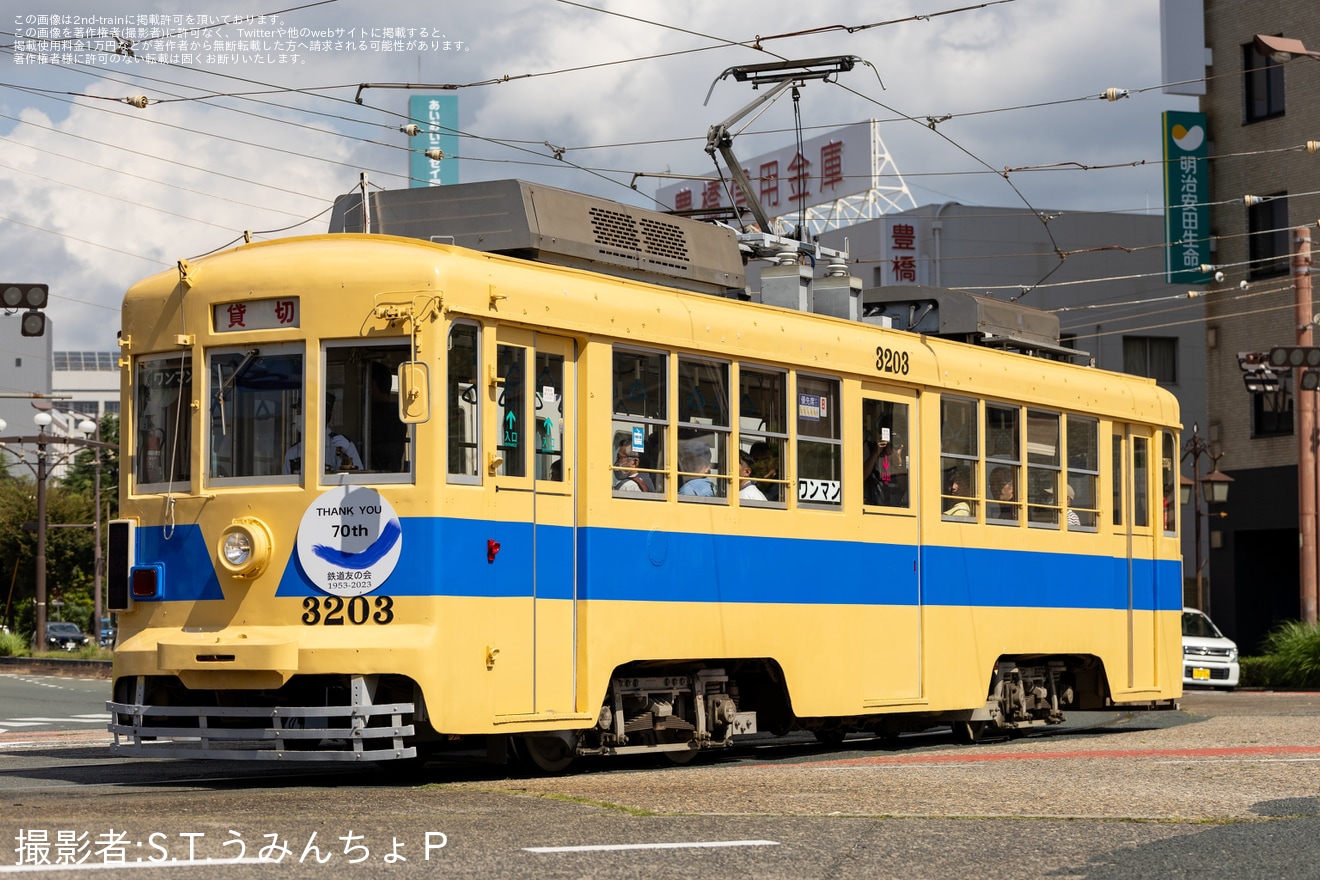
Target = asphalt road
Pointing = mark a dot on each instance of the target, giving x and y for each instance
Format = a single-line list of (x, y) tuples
[(1227, 787)]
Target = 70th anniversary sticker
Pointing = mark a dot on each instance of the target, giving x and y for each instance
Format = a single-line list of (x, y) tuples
[(349, 541)]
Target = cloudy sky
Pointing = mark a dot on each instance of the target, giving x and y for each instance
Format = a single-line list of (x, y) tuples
[(95, 193)]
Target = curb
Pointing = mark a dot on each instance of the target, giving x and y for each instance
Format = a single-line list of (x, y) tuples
[(42, 666)]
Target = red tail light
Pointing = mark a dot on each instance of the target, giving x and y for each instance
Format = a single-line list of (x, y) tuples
[(145, 581)]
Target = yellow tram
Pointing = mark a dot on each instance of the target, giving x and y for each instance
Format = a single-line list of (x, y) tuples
[(529, 467)]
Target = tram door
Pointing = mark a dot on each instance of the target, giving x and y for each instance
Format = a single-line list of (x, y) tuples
[(1135, 474), (532, 385), (891, 668)]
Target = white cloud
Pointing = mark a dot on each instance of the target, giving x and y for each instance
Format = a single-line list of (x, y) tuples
[(91, 219)]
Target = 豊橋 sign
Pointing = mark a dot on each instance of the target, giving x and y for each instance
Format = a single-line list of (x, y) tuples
[(437, 116), (1186, 197)]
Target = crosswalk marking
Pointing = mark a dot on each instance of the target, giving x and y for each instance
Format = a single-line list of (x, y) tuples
[(96, 718)]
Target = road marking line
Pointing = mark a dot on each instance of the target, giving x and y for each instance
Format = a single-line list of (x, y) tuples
[(16, 723), (971, 757), (618, 847), (85, 719), (108, 866), (1243, 761)]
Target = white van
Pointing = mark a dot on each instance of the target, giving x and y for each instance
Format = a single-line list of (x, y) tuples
[(1208, 658)]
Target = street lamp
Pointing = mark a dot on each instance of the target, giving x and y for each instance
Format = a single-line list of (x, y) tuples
[(1212, 488), (87, 427), (1282, 49), (42, 420)]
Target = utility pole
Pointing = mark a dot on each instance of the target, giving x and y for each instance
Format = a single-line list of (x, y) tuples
[(1306, 446)]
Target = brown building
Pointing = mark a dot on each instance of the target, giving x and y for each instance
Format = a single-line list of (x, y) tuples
[(1260, 113)]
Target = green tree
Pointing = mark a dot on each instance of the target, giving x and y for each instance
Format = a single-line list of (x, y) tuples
[(81, 476), (69, 550)]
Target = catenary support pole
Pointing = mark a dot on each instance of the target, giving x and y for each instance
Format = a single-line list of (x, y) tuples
[(1306, 446)]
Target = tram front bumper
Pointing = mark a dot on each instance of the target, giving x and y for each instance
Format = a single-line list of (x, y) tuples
[(204, 660)]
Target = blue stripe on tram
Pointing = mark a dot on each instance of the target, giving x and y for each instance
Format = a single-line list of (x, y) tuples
[(448, 557)]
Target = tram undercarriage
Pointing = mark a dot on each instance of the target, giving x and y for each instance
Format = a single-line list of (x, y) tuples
[(675, 709)]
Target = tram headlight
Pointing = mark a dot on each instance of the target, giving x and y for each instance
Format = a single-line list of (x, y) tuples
[(245, 547)]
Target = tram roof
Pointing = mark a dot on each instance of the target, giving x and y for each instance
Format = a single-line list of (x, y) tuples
[(550, 225)]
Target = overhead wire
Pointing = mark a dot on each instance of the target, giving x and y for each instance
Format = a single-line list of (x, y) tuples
[(988, 168)]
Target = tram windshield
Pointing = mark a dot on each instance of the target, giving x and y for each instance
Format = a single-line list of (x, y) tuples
[(255, 404), (164, 437), (260, 420)]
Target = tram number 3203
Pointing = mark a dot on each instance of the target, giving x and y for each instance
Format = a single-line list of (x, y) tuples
[(335, 610), (889, 360)]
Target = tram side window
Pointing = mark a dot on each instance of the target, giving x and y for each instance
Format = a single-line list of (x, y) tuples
[(464, 406), (703, 429), (1044, 465), (549, 416), (364, 380), (1116, 478), (1169, 482), (1083, 481), (511, 403), (640, 392), (163, 451), (820, 442), (763, 432), (1140, 481), (256, 418), (1003, 463), (887, 456), (959, 454)]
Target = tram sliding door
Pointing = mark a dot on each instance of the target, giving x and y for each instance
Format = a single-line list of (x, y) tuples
[(532, 561), (1134, 471), (891, 671), (554, 471)]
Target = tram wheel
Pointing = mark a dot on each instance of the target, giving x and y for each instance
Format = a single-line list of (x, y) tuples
[(684, 757), (968, 732), (547, 754), (830, 736)]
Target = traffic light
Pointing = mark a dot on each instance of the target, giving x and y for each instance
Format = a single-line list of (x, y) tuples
[(1294, 356), (1256, 372), (31, 297)]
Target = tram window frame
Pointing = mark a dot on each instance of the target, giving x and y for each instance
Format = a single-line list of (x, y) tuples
[(703, 441), (251, 430), (960, 458), (1169, 483), (512, 365), (1117, 478), (767, 442), (886, 429), (1044, 468), (160, 435), (649, 428), (548, 414), (360, 412), (1141, 482), (1082, 438), (463, 449), (1003, 463), (816, 447)]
